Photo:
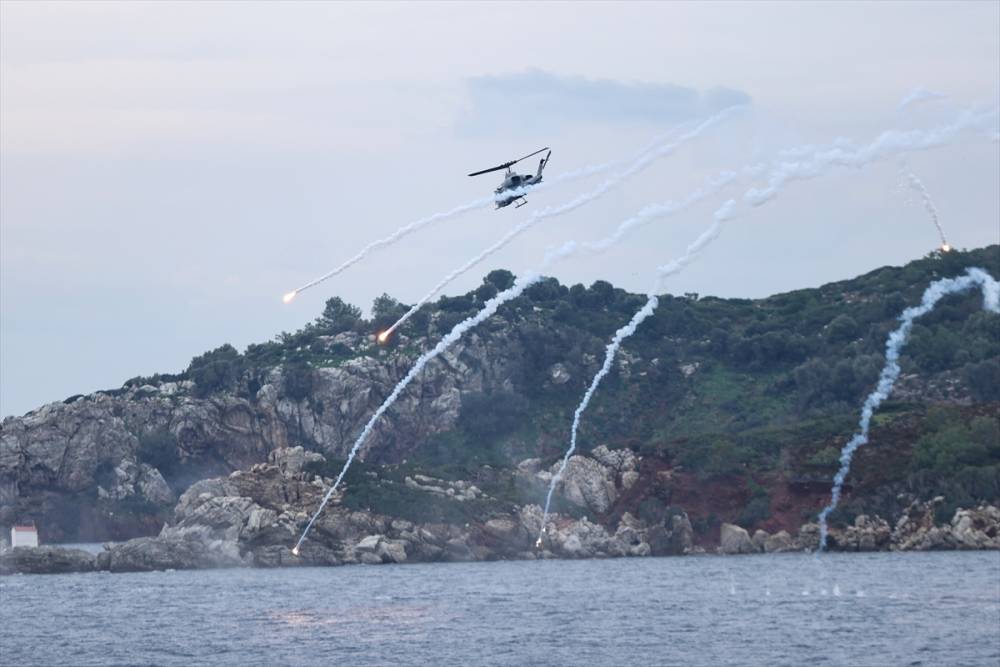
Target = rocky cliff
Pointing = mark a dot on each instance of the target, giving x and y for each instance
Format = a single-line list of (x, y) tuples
[(717, 412), (75, 463), (252, 518)]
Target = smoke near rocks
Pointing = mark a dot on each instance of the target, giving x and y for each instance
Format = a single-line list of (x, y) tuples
[(974, 277), (886, 145)]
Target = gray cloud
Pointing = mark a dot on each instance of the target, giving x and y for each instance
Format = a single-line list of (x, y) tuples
[(539, 100)]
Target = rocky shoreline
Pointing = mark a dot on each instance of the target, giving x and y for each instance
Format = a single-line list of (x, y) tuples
[(252, 518)]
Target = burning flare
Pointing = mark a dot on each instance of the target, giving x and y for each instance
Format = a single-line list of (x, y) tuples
[(945, 247), (295, 551), (384, 336), (288, 297)]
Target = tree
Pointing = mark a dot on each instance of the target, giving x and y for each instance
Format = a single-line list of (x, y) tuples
[(984, 380), (811, 380), (546, 289), (455, 304), (500, 278), (602, 293), (338, 316), (933, 349), (485, 292), (384, 306), (842, 329), (386, 310), (216, 369)]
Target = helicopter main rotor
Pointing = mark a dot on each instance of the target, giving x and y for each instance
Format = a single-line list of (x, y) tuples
[(507, 165)]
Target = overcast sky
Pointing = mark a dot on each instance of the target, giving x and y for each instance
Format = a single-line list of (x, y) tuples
[(168, 171)]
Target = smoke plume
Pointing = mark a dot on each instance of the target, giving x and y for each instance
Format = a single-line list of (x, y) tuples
[(643, 161), (937, 290)]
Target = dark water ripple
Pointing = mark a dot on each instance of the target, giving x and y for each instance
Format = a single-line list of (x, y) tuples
[(858, 610)]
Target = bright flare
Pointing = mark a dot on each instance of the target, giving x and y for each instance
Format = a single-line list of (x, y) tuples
[(288, 297), (945, 248), (383, 337), (295, 551)]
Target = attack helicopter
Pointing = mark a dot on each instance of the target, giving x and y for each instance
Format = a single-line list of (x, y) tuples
[(514, 181)]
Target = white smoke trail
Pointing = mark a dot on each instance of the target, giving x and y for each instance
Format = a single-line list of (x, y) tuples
[(611, 350), (609, 355), (918, 95), (488, 310), (937, 290), (408, 229), (640, 163), (571, 248), (810, 166), (918, 186), (885, 145), (405, 230)]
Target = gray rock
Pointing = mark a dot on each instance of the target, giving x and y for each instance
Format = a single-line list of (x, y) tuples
[(734, 540), (502, 528), (293, 460), (45, 560), (144, 554), (867, 534), (392, 551), (977, 529), (559, 374), (153, 487), (680, 535), (808, 539), (369, 544), (369, 558), (529, 466), (759, 539), (780, 542), (587, 483), (619, 460)]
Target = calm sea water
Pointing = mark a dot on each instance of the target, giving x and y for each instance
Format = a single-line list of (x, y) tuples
[(858, 610)]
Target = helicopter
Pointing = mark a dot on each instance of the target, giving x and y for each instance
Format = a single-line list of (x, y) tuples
[(515, 181)]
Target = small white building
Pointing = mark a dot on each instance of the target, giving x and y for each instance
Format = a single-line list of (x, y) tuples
[(23, 536)]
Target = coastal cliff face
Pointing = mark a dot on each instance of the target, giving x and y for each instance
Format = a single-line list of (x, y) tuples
[(717, 413), (253, 517), (88, 448)]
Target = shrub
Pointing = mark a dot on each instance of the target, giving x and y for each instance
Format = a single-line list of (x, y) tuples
[(501, 279), (215, 370), (842, 329), (487, 416), (955, 446), (385, 311), (338, 316), (984, 380)]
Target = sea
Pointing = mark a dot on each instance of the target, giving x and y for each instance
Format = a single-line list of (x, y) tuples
[(877, 609)]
